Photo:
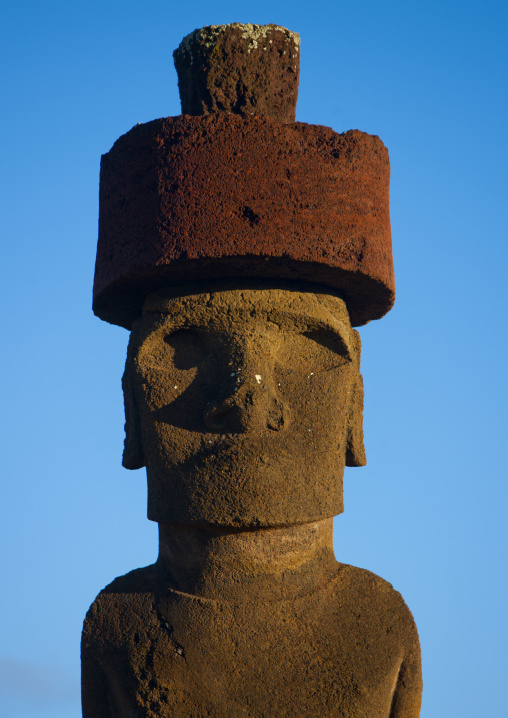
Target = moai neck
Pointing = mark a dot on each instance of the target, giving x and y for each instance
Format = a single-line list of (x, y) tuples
[(231, 564)]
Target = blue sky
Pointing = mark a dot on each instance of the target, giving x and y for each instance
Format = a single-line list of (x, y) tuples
[(428, 512)]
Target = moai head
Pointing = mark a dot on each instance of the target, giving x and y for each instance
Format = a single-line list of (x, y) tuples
[(244, 404), (240, 249)]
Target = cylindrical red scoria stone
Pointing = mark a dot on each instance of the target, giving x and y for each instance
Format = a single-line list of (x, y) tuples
[(225, 196), (246, 69)]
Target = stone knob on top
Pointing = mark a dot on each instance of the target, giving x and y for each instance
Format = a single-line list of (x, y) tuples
[(245, 69)]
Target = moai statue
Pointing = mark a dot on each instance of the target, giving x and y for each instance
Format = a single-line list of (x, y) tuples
[(240, 248)]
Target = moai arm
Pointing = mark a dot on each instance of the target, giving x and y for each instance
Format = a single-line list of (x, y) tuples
[(119, 631), (94, 689), (407, 696)]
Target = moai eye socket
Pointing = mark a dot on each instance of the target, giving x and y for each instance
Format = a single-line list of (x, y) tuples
[(330, 340), (189, 348), (315, 349)]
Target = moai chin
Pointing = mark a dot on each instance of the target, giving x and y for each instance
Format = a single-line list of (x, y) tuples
[(240, 248)]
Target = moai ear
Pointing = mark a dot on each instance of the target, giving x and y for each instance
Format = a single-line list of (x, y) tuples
[(133, 456), (355, 449)]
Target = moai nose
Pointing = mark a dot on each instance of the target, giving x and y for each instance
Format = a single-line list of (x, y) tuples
[(251, 401)]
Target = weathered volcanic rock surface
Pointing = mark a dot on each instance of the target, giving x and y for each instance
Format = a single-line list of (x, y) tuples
[(250, 402), (248, 69), (226, 196), (348, 648)]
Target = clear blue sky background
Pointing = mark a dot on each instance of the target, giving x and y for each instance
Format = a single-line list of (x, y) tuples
[(429, 511)]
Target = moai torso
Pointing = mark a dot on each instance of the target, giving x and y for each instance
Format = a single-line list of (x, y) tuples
[(349, 648), (244, 400)]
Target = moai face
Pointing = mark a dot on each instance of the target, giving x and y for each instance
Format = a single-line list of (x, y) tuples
[(244, 404)]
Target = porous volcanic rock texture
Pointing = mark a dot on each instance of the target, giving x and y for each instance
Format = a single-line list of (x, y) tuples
[(247, 403), (250, 69), (347, 649), (225, 196)]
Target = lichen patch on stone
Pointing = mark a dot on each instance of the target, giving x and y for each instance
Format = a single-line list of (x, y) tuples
[(255, 34)]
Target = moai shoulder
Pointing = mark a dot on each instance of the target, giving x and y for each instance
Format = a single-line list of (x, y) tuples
[(349, 648)]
